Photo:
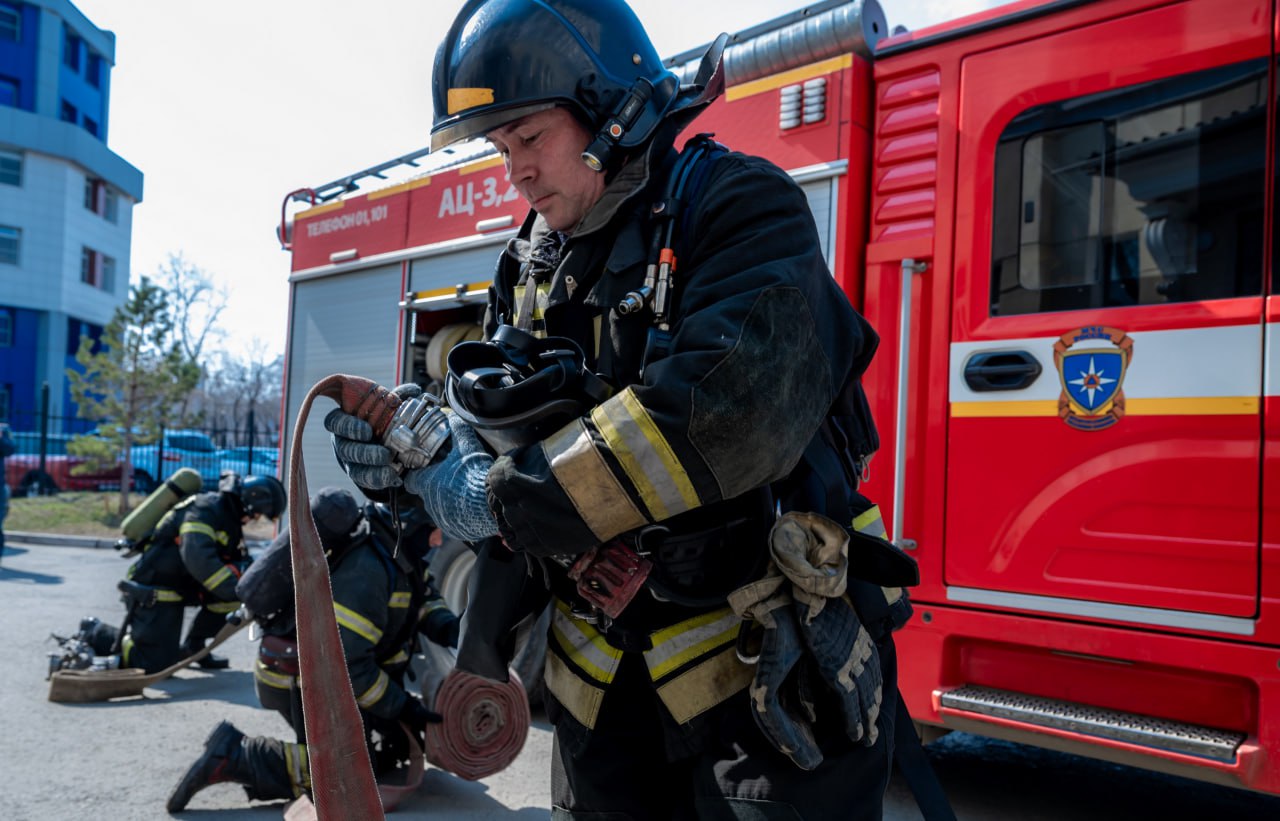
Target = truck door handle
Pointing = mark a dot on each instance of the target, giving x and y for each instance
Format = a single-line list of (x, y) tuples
[(1001, 371)]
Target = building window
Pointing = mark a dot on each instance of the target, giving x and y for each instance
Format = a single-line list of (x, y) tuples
[(1144, 195), (5, 410), (10, 168), (108, 282), (91, 126), (10, 24), (110, 204), (9, 91), (94, 74), (69, 113), (92, 189), (71, 51), (89, 271), (6, 329), (10, 244), (101, 199)]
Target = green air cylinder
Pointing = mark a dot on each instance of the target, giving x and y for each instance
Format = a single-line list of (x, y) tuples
[(144, 518)]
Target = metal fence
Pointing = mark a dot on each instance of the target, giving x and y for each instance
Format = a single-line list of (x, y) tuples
[(43, 464)]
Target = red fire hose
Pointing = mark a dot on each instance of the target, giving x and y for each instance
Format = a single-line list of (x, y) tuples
[(485, 722)]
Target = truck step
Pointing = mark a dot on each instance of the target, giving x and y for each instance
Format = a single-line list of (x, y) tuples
[(1132, 728)]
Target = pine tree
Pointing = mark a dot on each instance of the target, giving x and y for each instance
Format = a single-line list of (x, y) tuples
[(132, 376)]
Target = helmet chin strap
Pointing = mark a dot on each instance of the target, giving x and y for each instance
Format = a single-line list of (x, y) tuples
[(599, 155)]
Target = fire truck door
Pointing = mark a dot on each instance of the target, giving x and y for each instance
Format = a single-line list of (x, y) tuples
[(1107, 336)]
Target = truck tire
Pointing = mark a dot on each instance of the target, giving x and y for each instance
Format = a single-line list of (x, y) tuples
[(451, 565), (36, 483)]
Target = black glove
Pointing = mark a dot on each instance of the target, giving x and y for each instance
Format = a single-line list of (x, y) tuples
[(501, 594), (415, 714), (441, 627)]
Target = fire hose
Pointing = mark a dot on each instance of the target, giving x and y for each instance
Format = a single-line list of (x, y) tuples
[(484, 722)]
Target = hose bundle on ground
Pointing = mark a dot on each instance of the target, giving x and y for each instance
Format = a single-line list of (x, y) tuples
[(484, 727)]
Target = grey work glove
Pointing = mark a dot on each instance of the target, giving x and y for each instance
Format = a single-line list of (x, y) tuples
[(367, 462), (847, 662), (452, 487)]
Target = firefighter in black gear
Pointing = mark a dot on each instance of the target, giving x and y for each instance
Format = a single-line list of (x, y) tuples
[(382, 598), (725, 375), (194, 558)]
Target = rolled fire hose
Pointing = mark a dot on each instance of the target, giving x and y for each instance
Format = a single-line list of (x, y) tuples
[(484, 724)]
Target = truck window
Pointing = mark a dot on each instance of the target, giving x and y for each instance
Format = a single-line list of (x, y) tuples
[(1143, 195)]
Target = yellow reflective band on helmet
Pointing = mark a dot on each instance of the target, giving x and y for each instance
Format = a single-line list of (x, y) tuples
[(222, 607), (356, 623), (645, 455), (400, 599), (375, 692), (219, 536), (584, 646), (679, 644), (870, 522), (295, 761), (217, 577), (591, 486), (460, 99), (170, 596), (271, 678), (700, 688)]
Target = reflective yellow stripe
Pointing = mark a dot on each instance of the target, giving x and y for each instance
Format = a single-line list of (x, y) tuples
[(584, 645), (679, 644), (399, 600), (645, 455), (434, 605), (581, 699), (356, 623), (399, 658), (375, 692), (591, 486), (460, 99), (219, 536), (295, 761), (698, 689), (223, 607), (170, 596), (271, 678), (870, 522), (218, 577)]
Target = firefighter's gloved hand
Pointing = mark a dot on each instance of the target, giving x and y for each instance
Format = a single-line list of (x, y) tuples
[(453, 487), (500, 595), (812, 553), (416, 715), (366, 461), (780, 712)]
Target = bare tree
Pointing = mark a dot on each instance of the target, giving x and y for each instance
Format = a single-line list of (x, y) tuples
[(240, 390)]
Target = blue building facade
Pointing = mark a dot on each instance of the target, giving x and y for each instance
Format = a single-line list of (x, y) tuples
[(66, 200)]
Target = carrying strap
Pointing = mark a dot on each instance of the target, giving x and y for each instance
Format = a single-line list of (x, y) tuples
[(908, 754)]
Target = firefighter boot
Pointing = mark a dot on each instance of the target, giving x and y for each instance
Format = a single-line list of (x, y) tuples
[(209, 662), (222, 760)]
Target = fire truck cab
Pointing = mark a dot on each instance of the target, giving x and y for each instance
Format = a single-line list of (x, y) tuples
[(1059, 215)]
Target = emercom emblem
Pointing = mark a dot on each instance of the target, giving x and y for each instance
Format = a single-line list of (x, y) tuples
[(1092, 375)]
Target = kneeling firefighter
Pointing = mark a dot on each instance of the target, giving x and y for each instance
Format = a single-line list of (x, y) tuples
[(704, 406), (383, 599)]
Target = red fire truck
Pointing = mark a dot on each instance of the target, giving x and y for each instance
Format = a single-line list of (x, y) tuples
[(1059, 216)]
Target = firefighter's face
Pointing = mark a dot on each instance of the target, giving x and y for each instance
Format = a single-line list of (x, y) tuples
[(543, 156)]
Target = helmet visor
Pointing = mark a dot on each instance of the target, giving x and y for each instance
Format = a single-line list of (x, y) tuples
[(476, 125)]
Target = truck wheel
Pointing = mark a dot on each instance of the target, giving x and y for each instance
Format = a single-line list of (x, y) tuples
[(142, 482), (36, 483), (451, 566)]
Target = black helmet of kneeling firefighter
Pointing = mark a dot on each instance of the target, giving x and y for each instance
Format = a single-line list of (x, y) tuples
[(517, 389), (506, 59)]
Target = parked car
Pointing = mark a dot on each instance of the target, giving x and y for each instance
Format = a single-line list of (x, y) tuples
[(158, 461), (263, 461), (26, 477)]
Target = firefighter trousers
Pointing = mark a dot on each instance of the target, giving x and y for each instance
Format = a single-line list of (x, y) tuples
[(624, 772)]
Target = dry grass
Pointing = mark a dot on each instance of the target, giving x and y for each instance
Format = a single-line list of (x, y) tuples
[(88, 514)]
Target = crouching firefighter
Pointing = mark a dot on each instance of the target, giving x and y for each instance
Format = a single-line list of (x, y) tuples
[(193, 558), (382, 600), (665, 349)]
